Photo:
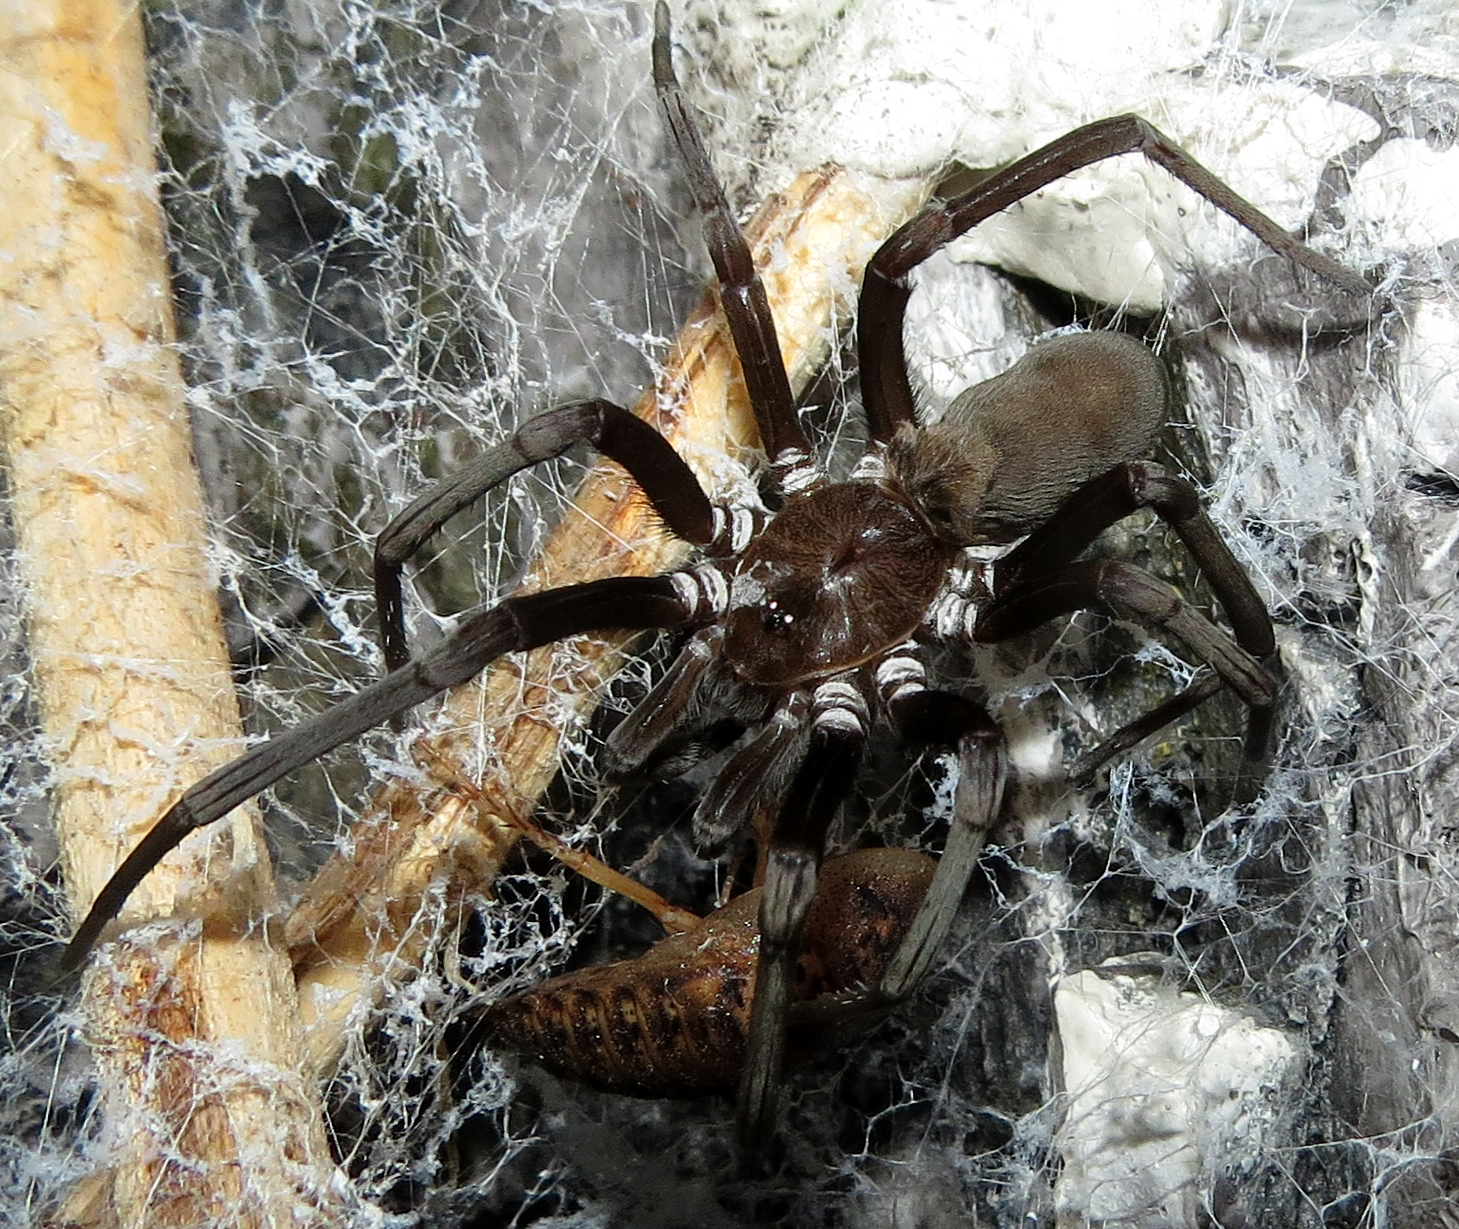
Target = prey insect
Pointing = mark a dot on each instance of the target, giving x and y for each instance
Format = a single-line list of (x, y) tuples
[(805, 624), (674, 1021)]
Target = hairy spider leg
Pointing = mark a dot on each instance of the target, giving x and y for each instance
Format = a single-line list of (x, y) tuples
[(618, 603), (822, 781), (885, 389), (1128, 592), (1088, 512), (741, 292), (935, 722), (1119, 493), (649, 459)]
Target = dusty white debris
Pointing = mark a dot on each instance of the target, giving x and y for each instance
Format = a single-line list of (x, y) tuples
[(1160, 1086)]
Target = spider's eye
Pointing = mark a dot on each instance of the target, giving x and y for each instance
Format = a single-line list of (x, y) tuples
[(776, 617)]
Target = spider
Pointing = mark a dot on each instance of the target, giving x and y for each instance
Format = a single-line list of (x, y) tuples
[(803, 625)]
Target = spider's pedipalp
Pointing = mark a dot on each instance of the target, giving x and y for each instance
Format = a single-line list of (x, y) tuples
[(755, 776)]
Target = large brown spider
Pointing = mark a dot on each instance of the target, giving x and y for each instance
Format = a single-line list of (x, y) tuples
[(802, 623)]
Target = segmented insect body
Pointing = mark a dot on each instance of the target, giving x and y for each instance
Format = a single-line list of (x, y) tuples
[(674, 1021)]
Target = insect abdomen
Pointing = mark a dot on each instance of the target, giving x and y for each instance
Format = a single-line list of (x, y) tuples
[(674, 1021), (634, 1031)]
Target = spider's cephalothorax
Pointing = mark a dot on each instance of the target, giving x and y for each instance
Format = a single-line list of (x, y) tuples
[(846, 572), (801, 628), (841, 574)]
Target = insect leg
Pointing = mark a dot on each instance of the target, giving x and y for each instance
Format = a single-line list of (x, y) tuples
[(673, 919)]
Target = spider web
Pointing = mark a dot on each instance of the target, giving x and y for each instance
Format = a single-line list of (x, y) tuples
[(396, 231)]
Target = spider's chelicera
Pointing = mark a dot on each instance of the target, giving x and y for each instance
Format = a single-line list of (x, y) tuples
[(803, 624)]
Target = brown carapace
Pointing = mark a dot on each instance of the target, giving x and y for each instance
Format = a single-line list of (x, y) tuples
[(674, 1022)]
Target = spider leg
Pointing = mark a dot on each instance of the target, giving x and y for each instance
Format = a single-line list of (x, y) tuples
[(1206, 684), (650, 459), (741, 292), (1121, 492), (659, 722), (933, 719), (519, 623), (1091, 510), (837, 736), (884, 291), (1128, 592)]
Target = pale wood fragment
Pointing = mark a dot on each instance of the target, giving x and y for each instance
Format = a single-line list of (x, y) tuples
[(197, 1041)]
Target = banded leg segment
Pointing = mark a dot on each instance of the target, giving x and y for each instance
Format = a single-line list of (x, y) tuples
[(933, 720), (934, 723), (519, 623), (837, 737)]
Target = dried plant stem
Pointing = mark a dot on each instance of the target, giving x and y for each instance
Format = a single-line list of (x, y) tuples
[(197, 1042)]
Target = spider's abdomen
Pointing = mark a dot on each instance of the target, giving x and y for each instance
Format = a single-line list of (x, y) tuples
[(841, 574), (674, 1021), (1009, 451)]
